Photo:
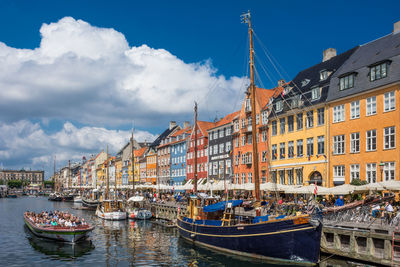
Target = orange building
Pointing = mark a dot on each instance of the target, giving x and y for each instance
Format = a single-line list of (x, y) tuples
[(364, 118), (138, 155), (242, 138), (151, 166)]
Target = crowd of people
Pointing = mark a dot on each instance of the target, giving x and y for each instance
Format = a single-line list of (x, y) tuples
[(55, 218)]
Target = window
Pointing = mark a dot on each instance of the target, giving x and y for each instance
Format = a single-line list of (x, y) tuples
[(236, 125), (264, 117), (371, 172), (354, 171), (264, 136), (310, 119), (274, 128), (249, 177), (354, 142), (378, 72), (389, 101), (321, 116), (243, 123), (282, 150), (264, 156), (371, 140), (299, 118), (278, 106), (338, 144), (321, 145), (221, 148), (299, 176), (257, 119), (323, 75), (237, 178), (221, 133), (274, 151), (295, 101), (290, 149), (249, 121), (388, 171), (282, 176), (243, 140), (389, 137), (315, 93), (371, 105), (346, 82), (290, 123), (249, 139), (236, 142), (338, 113), (282, 124), (310, 146), (355, 109), (299, 148), (290, 176), (338, 172), (228, 147), (215, 149), (243, 178), (273, 176), (215, 135)]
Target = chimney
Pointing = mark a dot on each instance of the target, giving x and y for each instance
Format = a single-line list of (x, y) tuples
[(281, 82), (396, 27), (172, 124), (328, 54), (186, 124)]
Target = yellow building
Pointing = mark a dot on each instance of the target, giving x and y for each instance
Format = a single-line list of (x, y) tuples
[(364, 116), (118, 170), (297, 125)]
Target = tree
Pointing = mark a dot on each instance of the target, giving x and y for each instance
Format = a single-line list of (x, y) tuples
[(49, 184), (357, 181), (14, 183)]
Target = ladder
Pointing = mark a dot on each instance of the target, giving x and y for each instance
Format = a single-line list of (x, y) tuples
[(396, 231), (228, 213)]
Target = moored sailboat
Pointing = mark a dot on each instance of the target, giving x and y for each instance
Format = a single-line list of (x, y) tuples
[(278, 238)]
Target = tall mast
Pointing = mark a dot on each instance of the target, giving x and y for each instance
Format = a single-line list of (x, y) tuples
[(247, 19), (133, 164), (69, 174), (115, 184), (195, 147), (55, 179), (107, 178)]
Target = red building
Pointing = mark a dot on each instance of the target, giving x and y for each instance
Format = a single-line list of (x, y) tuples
[(202, 150)]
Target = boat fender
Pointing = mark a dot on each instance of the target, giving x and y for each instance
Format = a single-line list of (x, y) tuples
[(193, 235)]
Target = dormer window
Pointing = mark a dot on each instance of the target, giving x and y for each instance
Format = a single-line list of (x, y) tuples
[(323, 75), (278, 106), (304, 82), (295, 101), (346, 82), (378, 72), (315, 93)]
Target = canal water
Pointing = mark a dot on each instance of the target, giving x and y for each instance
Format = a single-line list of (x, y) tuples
[(123, 243)]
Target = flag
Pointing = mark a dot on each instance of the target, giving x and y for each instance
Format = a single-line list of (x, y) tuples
[(324, 156), (309, 157), (315, 189), (317, 156)]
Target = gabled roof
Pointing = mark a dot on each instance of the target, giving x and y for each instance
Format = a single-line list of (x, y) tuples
[(302, 85), (140, 152), (182, 131), (227, 119), (383, 49), (204, 126), (165, 134)]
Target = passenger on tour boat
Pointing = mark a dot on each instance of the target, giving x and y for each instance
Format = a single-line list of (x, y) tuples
[(56, 218)]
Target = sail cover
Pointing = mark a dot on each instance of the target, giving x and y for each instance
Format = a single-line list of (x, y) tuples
[(221, 205)]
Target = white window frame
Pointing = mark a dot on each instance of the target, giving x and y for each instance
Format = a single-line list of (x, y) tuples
[(338, 113), (339, 172), (339, 144), (370, 106), (370, 140), (355, 110), (389, 171), (370, 173), (389, 137), (389, 102), (315, 93), (354, 171), (354, 140)]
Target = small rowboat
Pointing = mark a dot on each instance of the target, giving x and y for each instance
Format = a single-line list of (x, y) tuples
[(64, 234)]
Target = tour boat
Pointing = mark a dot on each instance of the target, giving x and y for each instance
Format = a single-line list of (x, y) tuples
[(281, 239), (111, 210), (59, 233), (135, 209)]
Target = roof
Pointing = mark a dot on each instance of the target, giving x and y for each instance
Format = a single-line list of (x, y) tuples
[(302, 85), (263, 96), (140, 152), (182, 131), (227, 119), (204, 126), (385, 48), (167, 132)]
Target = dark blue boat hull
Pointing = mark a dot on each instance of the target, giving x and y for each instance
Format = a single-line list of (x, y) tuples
[(281, 241)]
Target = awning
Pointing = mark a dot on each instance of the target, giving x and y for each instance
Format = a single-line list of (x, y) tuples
[(221, 205)]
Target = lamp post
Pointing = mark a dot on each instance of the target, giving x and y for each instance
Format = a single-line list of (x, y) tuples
[(381, 166)]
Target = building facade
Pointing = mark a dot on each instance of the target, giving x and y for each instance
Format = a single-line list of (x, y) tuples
[(364, 102), (32, 177), (178, 156)]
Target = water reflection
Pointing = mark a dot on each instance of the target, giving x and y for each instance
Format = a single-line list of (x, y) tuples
[(59, 250)]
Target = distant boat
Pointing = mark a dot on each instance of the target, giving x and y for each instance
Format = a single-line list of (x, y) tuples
[(59, 233), (55, 197), (111, 210), (77, 199), (89, 203), (12, 195)]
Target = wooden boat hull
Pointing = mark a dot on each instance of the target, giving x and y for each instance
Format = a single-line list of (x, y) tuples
[(64, 234), (283, 241), (90, 203)]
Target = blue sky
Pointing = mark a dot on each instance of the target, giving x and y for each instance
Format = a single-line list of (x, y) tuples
[(69, 77)]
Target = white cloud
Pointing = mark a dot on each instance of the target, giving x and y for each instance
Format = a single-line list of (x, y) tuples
[(25, 144), (91, 75)]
